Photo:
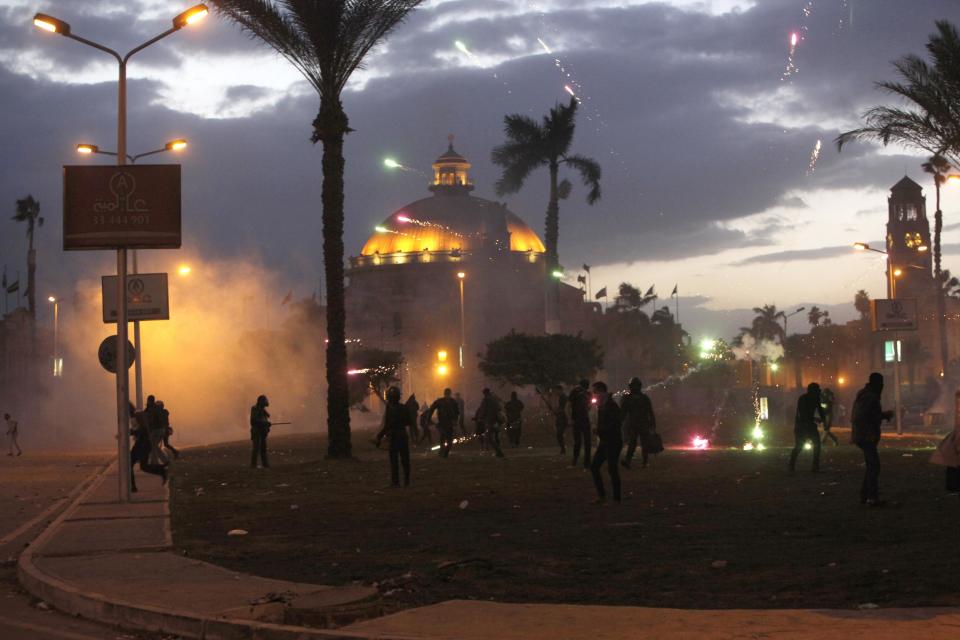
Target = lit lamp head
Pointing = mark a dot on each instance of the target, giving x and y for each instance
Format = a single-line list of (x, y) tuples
[(861, 246), (184, 270), (178, 144), (52, 299), (87, 149), (191, 16), (557, 274), (923, 248), (897, 273), (461, 275), (51, 24), (774, 367)]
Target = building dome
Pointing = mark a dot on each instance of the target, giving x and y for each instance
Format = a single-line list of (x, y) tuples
[(451, 220)]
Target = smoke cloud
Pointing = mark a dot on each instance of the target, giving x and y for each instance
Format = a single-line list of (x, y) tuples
[(751, 349)]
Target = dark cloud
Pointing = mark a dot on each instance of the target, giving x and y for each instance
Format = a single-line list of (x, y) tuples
[(796, 255)]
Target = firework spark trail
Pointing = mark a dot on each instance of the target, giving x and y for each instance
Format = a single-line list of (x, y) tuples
[(462, 48), (814, 156), (425, 223), (796, 37)]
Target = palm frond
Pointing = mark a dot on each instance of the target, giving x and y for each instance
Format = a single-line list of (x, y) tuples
[(590, 173), (521, 154)]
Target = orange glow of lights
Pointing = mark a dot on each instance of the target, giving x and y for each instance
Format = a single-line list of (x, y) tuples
[(461, 275), (897, 273), (52, 299), (51, 24), (176, 145), (442, 356), (841, 380), (191, 16), (860, 246), (87, 148), (442, 370), (184, 270)]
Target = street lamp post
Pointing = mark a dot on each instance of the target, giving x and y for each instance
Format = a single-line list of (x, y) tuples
[(461, 276), (56, 336), (892, 273), (174, 145), (53, 25), (788, 315)]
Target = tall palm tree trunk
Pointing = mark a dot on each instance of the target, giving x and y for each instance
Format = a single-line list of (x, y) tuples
[(331, 129), (552, 234), (941, 303)]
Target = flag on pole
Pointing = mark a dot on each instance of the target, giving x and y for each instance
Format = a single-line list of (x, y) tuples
[(675, 290), (582, 279), (601, 294), (13, 288), (287, 298), (649, 291), (586, 268)]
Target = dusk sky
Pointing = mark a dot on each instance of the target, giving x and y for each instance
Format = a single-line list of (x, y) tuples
[(705, 132)]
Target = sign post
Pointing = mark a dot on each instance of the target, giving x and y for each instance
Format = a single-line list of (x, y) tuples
[(146, 297), (116, 207), (895, 314)]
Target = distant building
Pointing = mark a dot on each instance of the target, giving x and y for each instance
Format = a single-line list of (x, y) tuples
[(404, 289)]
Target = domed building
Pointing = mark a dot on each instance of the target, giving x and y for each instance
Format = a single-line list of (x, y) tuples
[(445, 275)]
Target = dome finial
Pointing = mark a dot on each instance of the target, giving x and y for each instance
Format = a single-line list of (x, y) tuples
[(450, 139)]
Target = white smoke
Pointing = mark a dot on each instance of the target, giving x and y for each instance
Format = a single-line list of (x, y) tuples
[(751, 349)]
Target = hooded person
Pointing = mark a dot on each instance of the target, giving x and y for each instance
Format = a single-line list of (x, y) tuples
[(638, 422), (805, 429), (865, 419), (259, 430), (396, 422)]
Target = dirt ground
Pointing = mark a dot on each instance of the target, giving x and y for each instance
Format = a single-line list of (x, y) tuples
[(699, 529)]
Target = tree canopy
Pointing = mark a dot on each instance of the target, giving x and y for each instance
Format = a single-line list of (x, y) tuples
[(521, 360)]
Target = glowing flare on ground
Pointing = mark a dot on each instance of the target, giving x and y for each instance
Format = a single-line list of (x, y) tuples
[(700, 443)]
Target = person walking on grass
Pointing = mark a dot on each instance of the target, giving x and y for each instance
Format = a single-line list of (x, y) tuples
[(609, 421), (13, 430), (865, 419), (805, 426), (259, 430), (580, 401), (396, 421), (489, 416), (513, 409), (638, 422), (447, 414)]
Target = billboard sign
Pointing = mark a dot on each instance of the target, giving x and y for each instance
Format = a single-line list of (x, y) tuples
[(147, 297), (899, 314), (112, 207)]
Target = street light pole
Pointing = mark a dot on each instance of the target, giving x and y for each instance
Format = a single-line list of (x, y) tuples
[(53, 25), (461, 276), (56, 336)]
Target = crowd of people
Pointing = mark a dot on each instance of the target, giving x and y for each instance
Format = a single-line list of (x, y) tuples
[(151, 431)]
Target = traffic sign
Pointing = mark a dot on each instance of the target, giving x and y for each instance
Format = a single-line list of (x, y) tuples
[(108, 354), (899, 314), (147, 297)]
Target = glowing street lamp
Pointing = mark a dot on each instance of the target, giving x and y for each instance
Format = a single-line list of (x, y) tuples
[(57, 362), (177, 144), (184, 270), (50, 24)]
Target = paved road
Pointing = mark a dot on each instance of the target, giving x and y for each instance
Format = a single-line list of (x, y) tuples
[(33, 490)]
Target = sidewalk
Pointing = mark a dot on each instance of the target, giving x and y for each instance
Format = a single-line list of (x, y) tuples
[(114, 563)]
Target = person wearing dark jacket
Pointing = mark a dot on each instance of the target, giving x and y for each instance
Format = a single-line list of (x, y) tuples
[(609, 421), (488, 418), (805, 425), (414, 407), (580, 413), (140, 452), (865, 419), (259, 430), (638, 421), (396, 421), (447, 413), (557, 403), (513, 408)]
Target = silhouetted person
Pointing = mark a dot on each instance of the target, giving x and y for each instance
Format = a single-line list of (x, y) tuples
[(638, 421), (580, 413), (805, 425), (13, 430), (414, 408), (609, 420), (425, 423), (396, 421), (140, 452), (829, 403), (259, 430), (461, 407), (167, 429), (155, 431), (447, 414), (557, 403), (489, 417), (513, 409), (865, 422)]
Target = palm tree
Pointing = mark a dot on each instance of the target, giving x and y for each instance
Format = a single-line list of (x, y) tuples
[(816, 315), (938, 167), (28, 210), (326, 40), (530, 146), (766, 325)]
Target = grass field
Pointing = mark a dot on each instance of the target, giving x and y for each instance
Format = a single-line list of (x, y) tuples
[(699, 529)]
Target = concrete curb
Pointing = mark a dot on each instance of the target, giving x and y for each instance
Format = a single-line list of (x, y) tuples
[(109, 610)]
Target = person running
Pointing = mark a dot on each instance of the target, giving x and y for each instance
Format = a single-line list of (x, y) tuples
[(414, 408), (513, 409), (805, 426), (609, 421), (461, 407), (580, 401), (425, 423), (866, 418), (155, 432), (259, 430), (638, 422), (829, 402), (140, 452), (13, 430), (396, 421), (488, 417), (167, 430), (447, 414), (557, 404)]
